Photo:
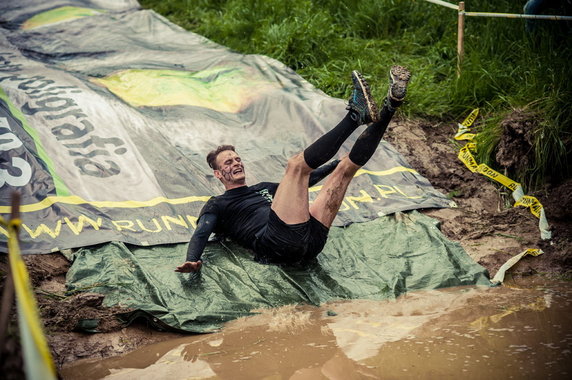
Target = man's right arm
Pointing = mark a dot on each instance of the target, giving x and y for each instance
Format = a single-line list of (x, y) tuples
[(205, 227)]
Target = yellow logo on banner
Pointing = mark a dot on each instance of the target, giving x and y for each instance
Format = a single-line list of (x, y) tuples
[(57, 15), (221, 89)]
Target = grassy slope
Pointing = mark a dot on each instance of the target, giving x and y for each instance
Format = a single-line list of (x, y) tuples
[(323, 40)]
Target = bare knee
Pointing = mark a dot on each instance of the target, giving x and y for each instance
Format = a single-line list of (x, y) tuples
[(297, 165)]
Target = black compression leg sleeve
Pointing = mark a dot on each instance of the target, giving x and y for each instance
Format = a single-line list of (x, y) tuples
[(324, 148), (367, 142)]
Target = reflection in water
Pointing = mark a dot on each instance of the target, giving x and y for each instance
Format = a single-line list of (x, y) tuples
[(476, 332)]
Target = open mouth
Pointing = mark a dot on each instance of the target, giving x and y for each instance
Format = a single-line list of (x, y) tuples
[(237, 171)]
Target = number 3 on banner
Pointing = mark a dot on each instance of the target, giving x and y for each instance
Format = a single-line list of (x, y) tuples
[(11, 141)]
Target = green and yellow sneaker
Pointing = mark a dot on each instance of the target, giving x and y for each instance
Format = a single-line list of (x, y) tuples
[(361, 101)]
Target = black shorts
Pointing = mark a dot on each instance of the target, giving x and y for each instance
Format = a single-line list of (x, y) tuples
[(281, 243)]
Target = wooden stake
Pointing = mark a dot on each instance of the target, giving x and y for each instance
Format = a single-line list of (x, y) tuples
[(460, 37), (8, 293)]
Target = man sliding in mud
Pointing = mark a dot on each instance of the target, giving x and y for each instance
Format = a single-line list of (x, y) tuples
[(276, 221)]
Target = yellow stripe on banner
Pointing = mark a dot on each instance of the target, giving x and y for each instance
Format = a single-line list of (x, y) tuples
[(27, 304), (377, 173), (397, 169), (75, 200)]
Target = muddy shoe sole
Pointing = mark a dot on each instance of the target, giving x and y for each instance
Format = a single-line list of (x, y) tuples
[(399, 78)]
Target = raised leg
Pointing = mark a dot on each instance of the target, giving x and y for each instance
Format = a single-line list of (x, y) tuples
[(328, 202), (362, 110), (291, 199), (329, 199)]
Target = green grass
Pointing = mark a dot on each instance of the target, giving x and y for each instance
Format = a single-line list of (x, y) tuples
[(504, 67)]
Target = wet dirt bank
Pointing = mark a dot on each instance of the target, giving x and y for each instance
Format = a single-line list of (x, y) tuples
[(485, 223), (522, 330)]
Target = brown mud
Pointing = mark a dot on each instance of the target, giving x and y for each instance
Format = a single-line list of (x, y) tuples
[(490, 230), (514, 151), (477, 332)]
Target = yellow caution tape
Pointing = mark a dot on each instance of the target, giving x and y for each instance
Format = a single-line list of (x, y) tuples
[(471, 118), (464, 133), (37, 356), (530, 202), (466, 156), (499, 277)]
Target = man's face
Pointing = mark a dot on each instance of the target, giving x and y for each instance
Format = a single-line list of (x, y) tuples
[(230, 168)]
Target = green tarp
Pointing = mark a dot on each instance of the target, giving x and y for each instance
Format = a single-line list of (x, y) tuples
[(374, 260)]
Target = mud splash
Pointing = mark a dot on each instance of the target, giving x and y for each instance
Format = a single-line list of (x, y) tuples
[(515, 331)]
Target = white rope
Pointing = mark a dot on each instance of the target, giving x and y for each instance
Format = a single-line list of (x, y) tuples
[(516, 15), (504, 15), (444, 3)]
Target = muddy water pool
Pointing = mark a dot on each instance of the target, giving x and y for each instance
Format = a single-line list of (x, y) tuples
[(522, 330)]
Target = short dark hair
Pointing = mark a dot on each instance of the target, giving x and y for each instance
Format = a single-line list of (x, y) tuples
[(211, 157)]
